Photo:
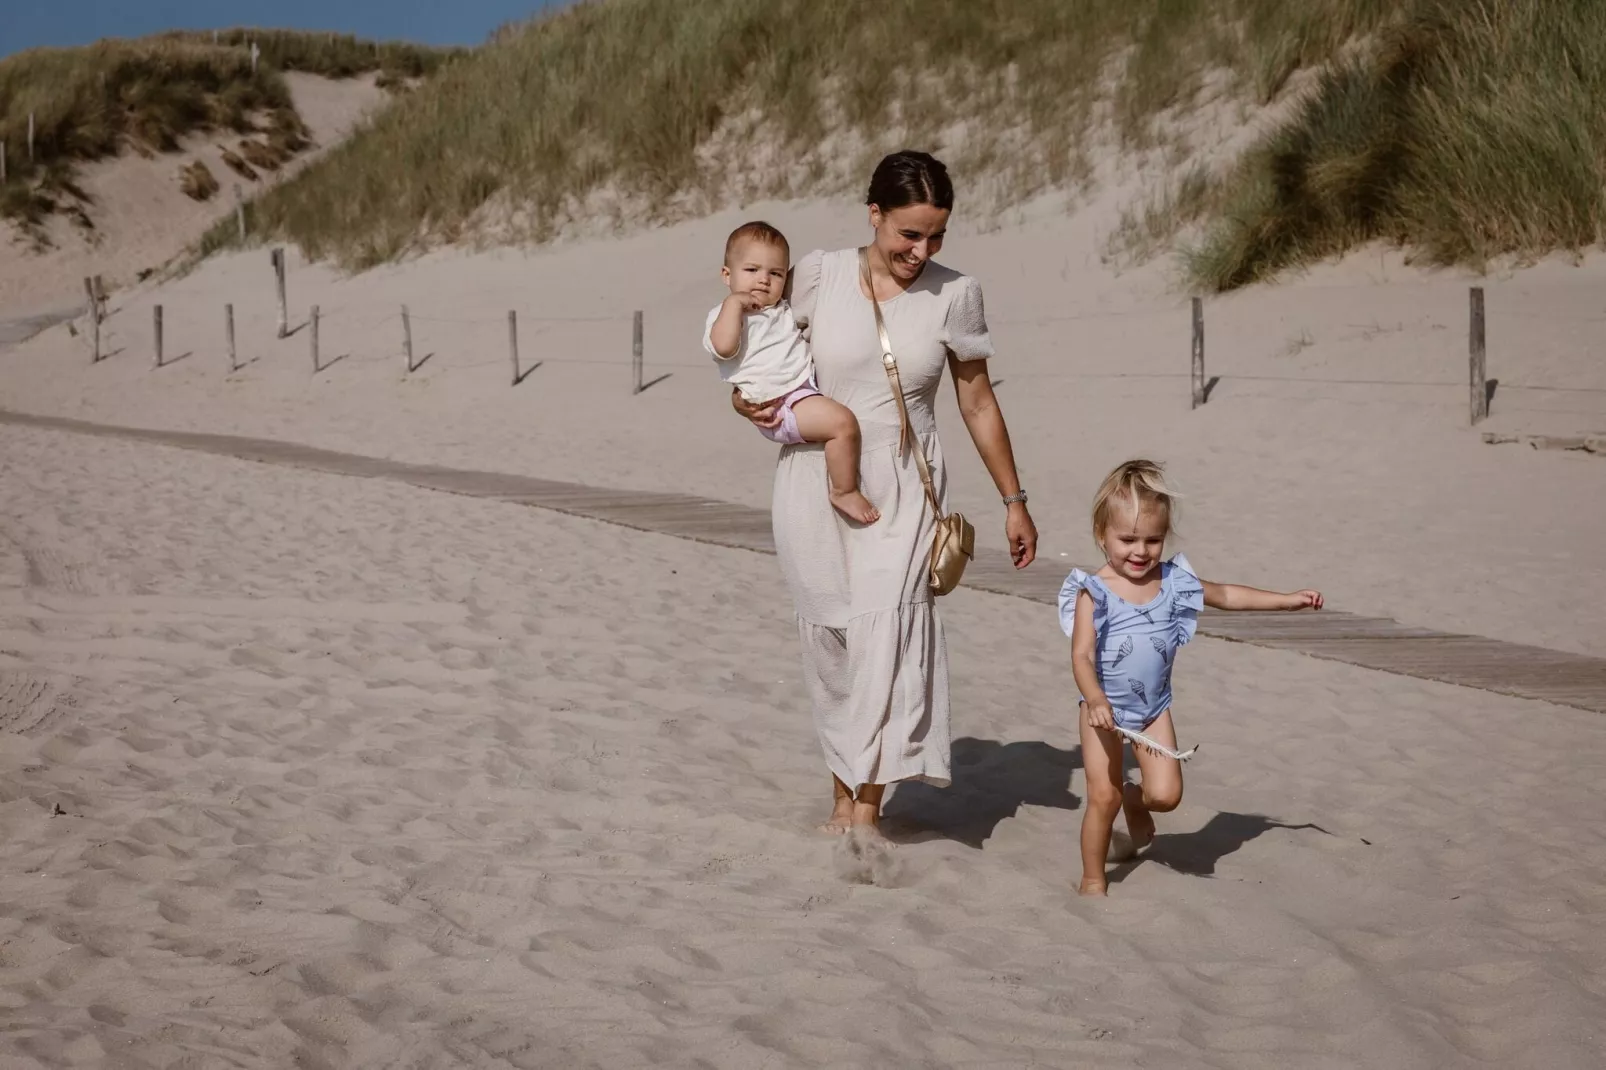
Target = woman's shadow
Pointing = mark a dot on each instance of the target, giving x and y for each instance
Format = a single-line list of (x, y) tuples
[(991, 782)]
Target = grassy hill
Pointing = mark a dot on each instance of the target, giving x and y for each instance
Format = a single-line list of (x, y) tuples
[(1463, 129), (146, 94)]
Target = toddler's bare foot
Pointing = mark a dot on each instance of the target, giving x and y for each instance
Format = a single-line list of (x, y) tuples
[(855, 506), (1139, 822), (1092, 886)]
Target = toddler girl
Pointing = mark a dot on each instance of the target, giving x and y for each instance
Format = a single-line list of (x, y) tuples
[(1126, 622)]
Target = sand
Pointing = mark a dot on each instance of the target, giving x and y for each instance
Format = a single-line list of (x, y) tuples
[(310, 770), (1346, 463), (298, 769)]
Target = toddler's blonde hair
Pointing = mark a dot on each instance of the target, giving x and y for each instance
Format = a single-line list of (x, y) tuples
[(1139, 483)]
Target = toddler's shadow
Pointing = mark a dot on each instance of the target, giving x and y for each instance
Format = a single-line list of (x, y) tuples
[(991, 781), (1196, 853)]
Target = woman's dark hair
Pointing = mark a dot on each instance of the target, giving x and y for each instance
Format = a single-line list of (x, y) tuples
[(910, 177)]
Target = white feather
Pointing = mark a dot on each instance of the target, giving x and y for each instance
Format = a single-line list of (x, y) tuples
[(1140, 740)]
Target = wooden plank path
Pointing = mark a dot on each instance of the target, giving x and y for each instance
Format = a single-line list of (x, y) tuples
[(1515, 669)]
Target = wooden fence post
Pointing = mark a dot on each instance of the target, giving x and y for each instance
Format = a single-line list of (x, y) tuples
[(156, 332), (228, 326), (407, 337), (636, 350), (1479, 383), (314, 339), (513, 342), (284, 309), (1198, 372), (94, 317), (101, 295)]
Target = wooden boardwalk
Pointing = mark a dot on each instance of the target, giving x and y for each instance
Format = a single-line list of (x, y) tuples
[(1372, 642)]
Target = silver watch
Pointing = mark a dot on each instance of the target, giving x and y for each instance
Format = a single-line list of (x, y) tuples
[(1013, 498)]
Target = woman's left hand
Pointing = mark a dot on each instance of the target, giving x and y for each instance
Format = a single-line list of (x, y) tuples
[(1022, 535)]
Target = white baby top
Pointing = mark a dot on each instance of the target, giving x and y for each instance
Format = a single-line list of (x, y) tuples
[(772, 360)]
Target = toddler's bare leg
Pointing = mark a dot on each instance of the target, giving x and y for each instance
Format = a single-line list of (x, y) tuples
[(819, 419), (1161, 790), (1101, 761)]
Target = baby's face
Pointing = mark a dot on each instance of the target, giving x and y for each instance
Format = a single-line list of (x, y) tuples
[(757, 268)]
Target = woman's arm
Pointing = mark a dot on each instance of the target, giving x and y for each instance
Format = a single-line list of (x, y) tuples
[(985, 422), (1236, 596), (1085, 666)]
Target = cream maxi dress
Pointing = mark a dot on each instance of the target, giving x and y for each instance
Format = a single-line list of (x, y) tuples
[(874, 658)]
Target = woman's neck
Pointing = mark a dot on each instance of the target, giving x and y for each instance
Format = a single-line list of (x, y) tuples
[(882, 278)]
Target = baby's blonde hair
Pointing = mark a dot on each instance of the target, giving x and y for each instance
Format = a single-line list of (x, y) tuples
[(1138, 482)]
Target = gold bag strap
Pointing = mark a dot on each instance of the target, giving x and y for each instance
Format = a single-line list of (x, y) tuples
[(905, 432)]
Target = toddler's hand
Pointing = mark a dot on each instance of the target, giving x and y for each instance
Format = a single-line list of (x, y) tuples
[(1305, 600), (748, 302), (1100, 715)]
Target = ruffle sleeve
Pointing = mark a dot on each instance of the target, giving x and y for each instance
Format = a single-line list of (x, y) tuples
[(964, 331), (805, 288), (1077, 582), (1187, 598)]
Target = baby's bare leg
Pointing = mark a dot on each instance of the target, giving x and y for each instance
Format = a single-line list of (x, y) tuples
[(1161, 790), (1101, 762), (819, 419)]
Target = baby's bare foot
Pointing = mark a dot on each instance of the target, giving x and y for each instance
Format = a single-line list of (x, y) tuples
[(855, 506)]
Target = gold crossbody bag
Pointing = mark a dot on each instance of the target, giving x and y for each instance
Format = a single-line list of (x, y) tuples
[(955, 541)]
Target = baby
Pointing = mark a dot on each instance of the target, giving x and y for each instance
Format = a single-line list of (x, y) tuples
[(762, 354)]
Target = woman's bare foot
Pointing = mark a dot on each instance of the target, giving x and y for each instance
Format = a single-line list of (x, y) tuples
[(1092, 886), (867, 815), (1139, 822), (841, 818), (855, 506)]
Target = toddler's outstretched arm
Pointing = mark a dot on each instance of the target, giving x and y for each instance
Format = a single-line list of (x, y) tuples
[(1236, 596)]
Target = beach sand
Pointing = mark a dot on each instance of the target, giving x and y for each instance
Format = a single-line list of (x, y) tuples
[(310, 770)]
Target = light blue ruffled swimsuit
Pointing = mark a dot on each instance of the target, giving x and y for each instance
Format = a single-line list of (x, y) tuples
[(1137, 644)]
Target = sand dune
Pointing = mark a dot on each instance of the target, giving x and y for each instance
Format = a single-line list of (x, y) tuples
[(142, 219), (318, 771)]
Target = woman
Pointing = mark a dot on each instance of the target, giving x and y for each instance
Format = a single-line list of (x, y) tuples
[(874, 658)]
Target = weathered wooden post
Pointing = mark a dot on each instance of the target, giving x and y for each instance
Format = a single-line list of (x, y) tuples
[(636, 350), (1476, 353), (1198, 372)]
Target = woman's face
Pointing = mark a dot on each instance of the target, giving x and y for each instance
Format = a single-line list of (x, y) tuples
[(909, 236)]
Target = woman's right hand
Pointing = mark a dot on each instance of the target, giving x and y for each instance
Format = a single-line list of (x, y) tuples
[(767, 415)]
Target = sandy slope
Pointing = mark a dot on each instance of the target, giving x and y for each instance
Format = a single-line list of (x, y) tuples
[(141, 217), (350, 774)]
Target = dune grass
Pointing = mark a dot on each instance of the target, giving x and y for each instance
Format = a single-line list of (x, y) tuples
[(655, 106), (146, 94), (1472, 129)]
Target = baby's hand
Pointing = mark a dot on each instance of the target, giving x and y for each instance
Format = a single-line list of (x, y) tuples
[(748, 302), (1305, 600)]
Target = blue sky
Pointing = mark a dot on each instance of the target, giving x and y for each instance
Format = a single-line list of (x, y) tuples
[(28, 23)]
